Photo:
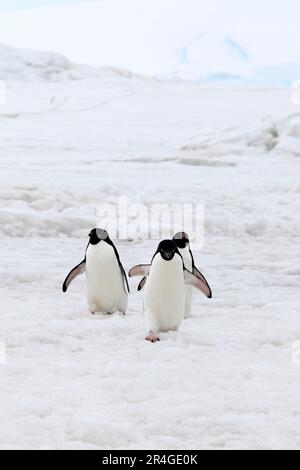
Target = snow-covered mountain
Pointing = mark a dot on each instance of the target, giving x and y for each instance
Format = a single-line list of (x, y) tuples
[(218, 57), (27, 65), (208, 58), (18, 64), (211, 56)]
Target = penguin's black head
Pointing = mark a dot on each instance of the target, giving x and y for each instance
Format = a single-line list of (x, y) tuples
[(167, 249), (181, 239), (98, 234)]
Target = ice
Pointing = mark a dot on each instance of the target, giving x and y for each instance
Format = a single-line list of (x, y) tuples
[(227, 379), (226, 61)]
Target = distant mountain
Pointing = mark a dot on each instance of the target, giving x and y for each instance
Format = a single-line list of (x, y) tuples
[(26, 65), (212, 57), (207, 59), (219, 58)]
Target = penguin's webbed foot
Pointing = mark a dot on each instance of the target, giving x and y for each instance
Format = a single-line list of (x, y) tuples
[(152, 337)]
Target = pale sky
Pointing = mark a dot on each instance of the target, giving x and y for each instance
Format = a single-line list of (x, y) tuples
[(12, 5), (144, 35)]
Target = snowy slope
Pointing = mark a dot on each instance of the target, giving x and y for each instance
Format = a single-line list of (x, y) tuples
[(227, 379), (26, 65), (18, 64)]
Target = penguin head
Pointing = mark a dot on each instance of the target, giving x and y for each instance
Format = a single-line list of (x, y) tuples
[(181, 239), (97, 235), (167, 249)]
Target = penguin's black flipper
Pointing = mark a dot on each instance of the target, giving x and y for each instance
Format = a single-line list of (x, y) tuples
[(80, 269), (125, 280), (140, 270), (142, 283), (123, 272), (195, 281), (196, 271), (200, 275)]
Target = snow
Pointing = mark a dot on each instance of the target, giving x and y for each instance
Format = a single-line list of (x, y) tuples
[(27, 65), (18, 64), (227, 379), (211, 56), (215, 57), (145, 36)]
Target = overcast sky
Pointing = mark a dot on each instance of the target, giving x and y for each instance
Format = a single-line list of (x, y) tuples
[(144, 35), (12, 5)]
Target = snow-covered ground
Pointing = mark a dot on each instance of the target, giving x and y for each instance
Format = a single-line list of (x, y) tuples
[(227, 378)]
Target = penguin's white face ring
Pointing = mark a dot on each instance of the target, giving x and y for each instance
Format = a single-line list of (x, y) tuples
[(181, 239), (167, 249), (97, 235)]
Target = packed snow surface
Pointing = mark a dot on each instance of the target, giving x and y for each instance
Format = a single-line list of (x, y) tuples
[(229, 378)]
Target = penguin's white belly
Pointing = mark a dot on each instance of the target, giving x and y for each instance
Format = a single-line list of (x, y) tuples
[(165, 296), (187, 259), (105, 284)]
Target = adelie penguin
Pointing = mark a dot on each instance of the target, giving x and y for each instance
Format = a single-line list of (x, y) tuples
[(164, 300), (106, 280), (183, 244)]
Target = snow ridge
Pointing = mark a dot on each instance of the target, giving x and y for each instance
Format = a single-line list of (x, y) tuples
[(27, 65)]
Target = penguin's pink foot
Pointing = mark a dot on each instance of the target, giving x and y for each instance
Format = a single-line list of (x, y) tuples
[(152, 337)]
